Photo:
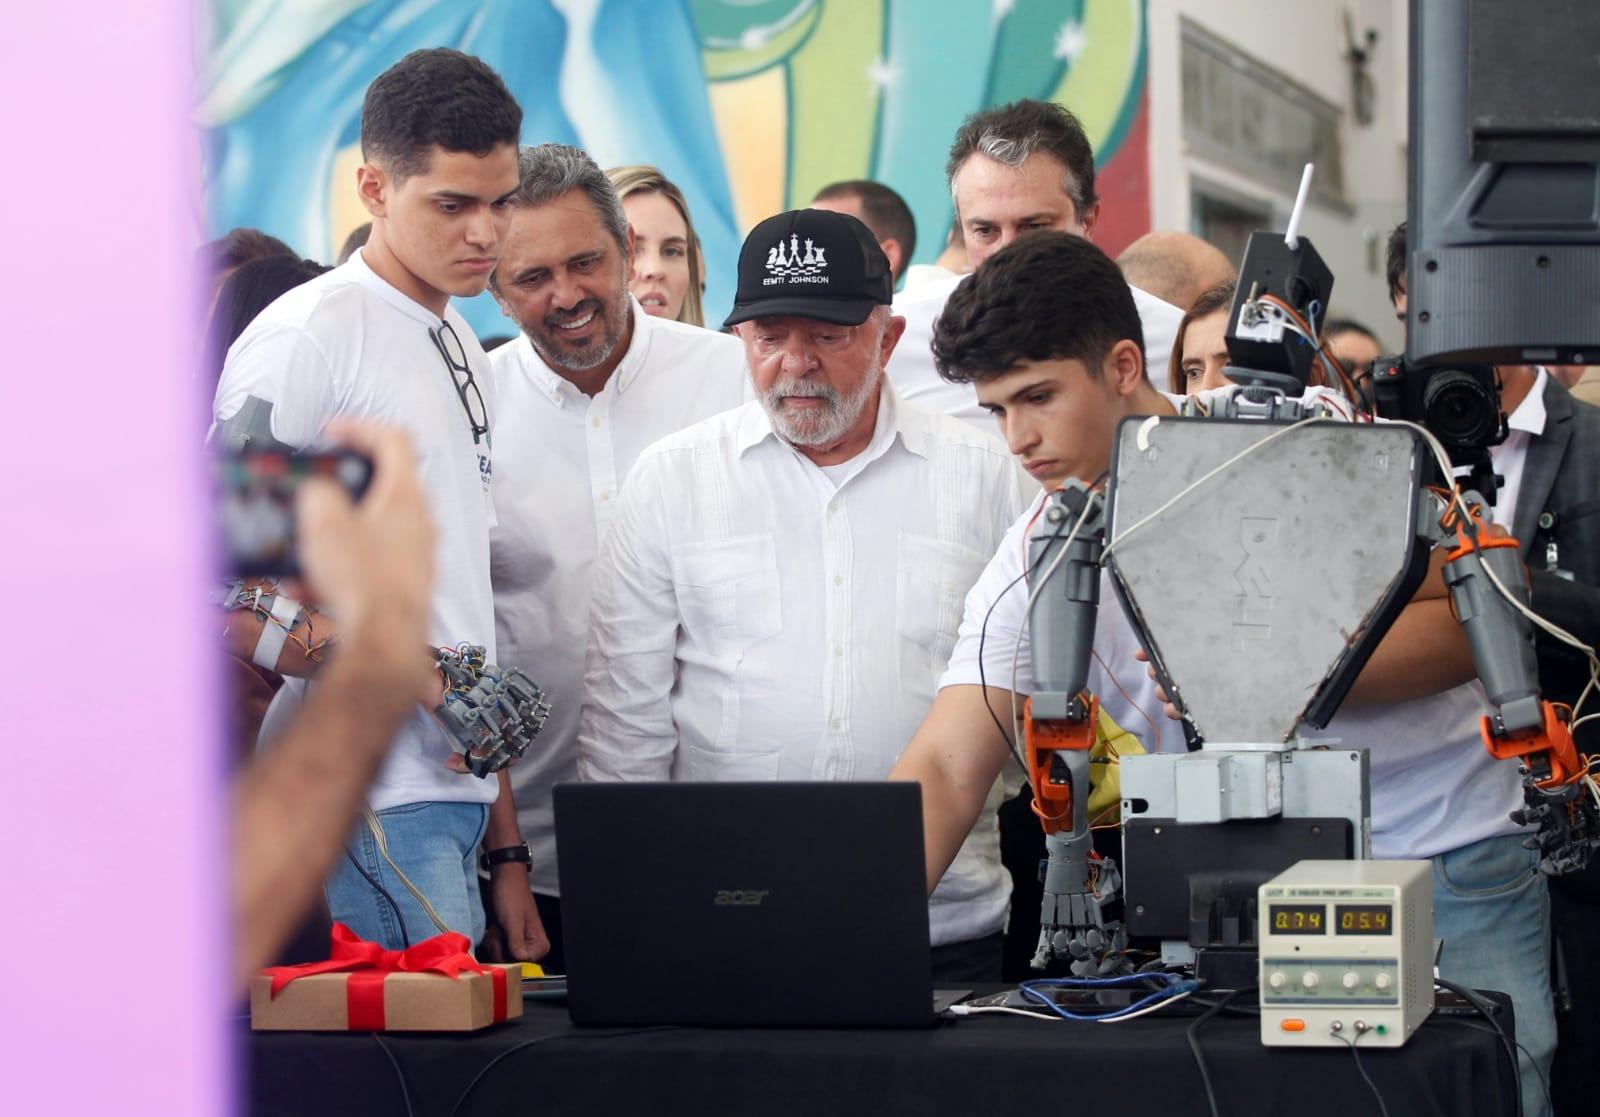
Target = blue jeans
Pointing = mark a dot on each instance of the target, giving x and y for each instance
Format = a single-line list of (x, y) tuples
[(436, 846), (1491, 906)]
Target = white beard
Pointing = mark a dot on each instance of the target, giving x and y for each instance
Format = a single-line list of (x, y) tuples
[(812, 428)]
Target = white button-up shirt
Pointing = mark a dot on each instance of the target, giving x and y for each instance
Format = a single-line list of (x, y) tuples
[(757, 619), (559, 459), (1524, 425)]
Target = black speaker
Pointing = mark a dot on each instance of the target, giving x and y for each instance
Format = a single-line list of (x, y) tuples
[(1503, 261)]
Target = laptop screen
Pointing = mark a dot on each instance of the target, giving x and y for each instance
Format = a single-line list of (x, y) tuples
[(744, 903)]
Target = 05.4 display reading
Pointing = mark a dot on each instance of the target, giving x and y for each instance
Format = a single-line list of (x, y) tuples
[(1363, 919), (1298, 919)]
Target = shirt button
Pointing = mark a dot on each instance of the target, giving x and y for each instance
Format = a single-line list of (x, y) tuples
[(606, 495), (837, 725), (838, 579), (838, 651), (594, 422)]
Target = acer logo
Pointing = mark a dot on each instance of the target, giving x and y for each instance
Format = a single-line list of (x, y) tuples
[(741, 897)]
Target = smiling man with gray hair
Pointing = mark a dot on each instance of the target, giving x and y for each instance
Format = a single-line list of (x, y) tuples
[(591, 382), (783, 583)]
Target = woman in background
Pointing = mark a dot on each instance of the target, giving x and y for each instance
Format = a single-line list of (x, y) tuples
[(668, 271), (1199, 353)]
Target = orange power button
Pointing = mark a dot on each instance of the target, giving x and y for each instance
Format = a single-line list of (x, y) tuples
[(1292, 1025)]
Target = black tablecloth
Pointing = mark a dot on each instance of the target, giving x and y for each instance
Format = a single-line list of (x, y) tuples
[(985, 1065)]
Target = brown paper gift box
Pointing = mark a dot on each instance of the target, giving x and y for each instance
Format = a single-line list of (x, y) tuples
[(412, 1002)]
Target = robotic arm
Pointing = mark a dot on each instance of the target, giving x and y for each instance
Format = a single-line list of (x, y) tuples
[(1058, 730), (1557, 782), (1487, 583), (492, 712)]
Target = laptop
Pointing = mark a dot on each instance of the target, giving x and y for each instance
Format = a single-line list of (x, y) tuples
[(769, 904)]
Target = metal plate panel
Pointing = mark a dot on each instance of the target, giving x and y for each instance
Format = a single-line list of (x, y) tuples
[(1252, 590)]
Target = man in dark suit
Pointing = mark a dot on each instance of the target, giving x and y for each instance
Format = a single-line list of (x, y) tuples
[(1558, 527)]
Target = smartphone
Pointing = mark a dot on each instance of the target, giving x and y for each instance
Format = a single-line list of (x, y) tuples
[(256, 490)]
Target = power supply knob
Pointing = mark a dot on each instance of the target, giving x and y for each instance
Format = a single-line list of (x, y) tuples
[(1278, 980), (1383, 981), (1311, 980), (1350, 980)]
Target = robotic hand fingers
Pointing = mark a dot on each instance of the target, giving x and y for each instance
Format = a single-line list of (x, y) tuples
[(494, 713), (1059, 724), (1078, 883)]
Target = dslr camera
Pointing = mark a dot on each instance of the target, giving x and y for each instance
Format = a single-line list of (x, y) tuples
[(1459, 404)]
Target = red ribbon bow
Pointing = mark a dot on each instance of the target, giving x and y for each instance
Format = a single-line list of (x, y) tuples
[(368, 964)]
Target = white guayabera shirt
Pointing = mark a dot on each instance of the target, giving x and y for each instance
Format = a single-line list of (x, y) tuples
[(755, 618), (559, 459)]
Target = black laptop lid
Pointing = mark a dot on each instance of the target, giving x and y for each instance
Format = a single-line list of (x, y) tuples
[(744, 903)]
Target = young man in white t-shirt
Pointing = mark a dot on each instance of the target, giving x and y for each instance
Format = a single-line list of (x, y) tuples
[(591, 381), (1060, 368), (376, 338)]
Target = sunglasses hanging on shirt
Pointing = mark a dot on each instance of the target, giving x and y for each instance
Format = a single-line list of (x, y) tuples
[(455, 359)]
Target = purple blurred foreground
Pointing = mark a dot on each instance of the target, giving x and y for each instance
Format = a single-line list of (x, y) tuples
[(114, 995)]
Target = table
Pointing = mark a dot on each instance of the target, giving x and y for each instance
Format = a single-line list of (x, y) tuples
[(542, 1064)]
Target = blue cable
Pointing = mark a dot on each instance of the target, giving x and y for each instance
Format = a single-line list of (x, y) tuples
[(1173, 985)]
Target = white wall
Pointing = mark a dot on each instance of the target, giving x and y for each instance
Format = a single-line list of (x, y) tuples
[(1304, 40)]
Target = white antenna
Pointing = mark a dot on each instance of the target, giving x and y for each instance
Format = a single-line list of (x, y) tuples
[(1291, 235)]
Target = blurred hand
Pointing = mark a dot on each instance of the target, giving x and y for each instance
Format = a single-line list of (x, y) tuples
[(372, 562), (1166, 704)]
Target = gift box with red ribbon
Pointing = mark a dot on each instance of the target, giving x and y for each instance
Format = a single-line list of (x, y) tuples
[(435, 986)]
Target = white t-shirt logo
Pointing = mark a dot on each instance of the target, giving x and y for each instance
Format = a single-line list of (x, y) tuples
[(790, 263)]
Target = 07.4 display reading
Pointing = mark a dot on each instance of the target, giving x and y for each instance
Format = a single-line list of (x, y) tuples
[(1362, 919), (1298, 919)]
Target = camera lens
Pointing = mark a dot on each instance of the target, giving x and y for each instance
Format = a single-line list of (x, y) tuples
[(1460, 409)]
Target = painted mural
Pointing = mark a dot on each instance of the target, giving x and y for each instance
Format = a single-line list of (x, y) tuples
[(749, 105)]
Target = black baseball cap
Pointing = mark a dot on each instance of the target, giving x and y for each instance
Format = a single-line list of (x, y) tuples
[(811, 263)]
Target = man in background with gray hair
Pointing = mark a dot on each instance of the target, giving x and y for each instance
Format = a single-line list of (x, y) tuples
[(591, 381), (1013, 169), (784, 582)]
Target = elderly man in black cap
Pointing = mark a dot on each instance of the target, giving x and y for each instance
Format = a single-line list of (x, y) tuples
[(783, 583)]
